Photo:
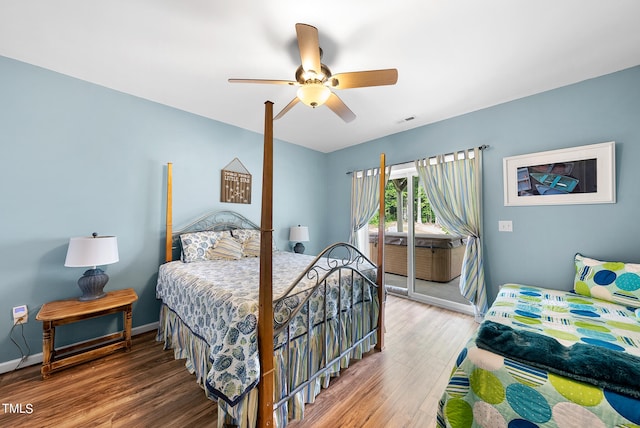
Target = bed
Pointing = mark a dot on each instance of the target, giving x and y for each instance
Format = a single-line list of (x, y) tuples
[(263, 330), (210, 307), (550, 358)]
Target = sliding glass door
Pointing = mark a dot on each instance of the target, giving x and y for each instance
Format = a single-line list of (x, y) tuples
[(422, 261)]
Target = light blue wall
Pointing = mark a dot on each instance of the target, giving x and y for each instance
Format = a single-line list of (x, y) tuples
[(78, 158), (541, 248)]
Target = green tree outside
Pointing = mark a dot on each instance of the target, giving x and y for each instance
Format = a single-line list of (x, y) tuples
[(391, 199)]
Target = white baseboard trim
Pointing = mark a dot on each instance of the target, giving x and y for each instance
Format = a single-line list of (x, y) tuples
[(9, 366), (12, 365)]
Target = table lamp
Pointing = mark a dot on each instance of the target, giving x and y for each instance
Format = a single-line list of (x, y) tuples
[(299, 234), (85, 251)]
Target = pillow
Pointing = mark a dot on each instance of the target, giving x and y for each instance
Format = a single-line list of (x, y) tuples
[(227, 248), (613, 281), (251, 247), (244, 235), (197, 245)]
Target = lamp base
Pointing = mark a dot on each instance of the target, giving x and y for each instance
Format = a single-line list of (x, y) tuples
[(92, 283), (299, 248)]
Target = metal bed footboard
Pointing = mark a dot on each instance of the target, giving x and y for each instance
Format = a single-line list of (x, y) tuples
[(345, 292)]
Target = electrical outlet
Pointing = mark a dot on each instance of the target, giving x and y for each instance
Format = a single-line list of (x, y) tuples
[(20, 314)]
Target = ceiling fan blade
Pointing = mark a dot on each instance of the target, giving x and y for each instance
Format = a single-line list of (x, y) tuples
[(287, 108), (273, 82), (340, 108), (309, 47), (360, 79)]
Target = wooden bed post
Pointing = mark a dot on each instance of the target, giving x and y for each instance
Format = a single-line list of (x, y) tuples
[(380, 276), (168, 250), (265, 316)]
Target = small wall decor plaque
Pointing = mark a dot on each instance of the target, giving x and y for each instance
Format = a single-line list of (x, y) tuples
[(235, 183)]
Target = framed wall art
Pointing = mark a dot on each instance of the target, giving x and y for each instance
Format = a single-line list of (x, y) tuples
[(577, 175)]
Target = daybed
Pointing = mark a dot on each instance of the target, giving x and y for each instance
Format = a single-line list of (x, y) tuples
[(438, 257), (549, 358)]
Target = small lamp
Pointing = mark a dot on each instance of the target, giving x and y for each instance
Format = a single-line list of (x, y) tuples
[(93, 251), (299, 234)]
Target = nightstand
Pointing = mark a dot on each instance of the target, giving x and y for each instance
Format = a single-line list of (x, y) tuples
[(68, 311)]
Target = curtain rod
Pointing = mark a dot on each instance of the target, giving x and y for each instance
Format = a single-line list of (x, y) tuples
[(482, 147)]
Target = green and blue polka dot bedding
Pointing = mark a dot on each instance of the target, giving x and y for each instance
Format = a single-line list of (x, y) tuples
[(489, 390)]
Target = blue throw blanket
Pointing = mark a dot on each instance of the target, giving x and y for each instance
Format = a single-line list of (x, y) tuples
[(606, 368)]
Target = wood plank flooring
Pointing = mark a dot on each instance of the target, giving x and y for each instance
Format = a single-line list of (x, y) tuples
[(146, 387)]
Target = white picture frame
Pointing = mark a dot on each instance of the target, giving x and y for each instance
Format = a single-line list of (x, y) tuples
[(577, 175)]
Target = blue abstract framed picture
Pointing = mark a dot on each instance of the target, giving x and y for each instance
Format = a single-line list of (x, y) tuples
[(577, 175)]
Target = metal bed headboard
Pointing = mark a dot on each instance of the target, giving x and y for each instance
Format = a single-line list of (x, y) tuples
[(214, 220)]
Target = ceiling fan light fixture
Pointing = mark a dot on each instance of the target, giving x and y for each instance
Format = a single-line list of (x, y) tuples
[(315, 81), (314, 94), (312, 76)]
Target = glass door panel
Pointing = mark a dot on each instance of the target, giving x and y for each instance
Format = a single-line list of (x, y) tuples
[(396, 209), (437, 263)]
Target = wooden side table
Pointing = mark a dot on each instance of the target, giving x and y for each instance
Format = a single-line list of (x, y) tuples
[(62, 312)]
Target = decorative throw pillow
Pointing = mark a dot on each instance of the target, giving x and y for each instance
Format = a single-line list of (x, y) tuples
[(251, 247), (196, 245), (227, 248), (613, 281), (244, 235)]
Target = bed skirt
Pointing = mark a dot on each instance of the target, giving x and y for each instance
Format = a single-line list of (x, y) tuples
[(186, 345)]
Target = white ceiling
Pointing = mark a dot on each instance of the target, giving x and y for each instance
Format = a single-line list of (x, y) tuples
[(452, 56)]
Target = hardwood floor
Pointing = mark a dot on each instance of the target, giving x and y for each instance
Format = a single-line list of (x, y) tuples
[(146, 387), (400, 386)]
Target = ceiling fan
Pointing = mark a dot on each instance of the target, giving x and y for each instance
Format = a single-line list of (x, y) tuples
[(315, 81)]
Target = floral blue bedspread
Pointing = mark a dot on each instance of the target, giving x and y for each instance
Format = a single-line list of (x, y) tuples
[(491, 390), (218, 301)]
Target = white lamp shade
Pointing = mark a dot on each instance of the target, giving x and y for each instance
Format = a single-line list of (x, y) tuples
[(299, 234), (313, 94), (92, 251)]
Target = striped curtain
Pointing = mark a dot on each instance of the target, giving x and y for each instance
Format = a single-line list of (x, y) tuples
[(453, 185), (365, 196)]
